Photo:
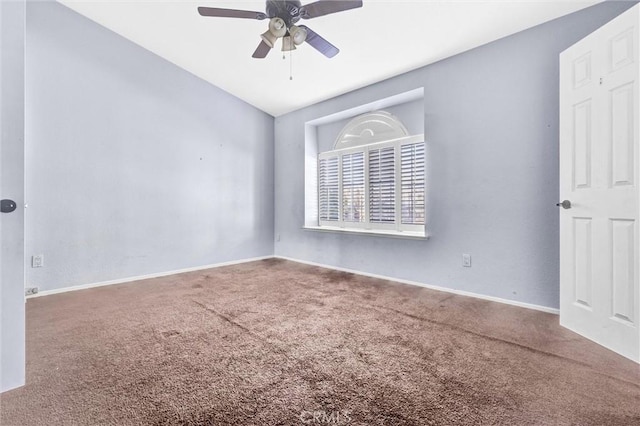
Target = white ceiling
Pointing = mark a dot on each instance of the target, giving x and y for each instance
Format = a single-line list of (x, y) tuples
[(377, 41)]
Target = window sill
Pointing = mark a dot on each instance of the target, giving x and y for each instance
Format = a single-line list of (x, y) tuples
[(370, 232)]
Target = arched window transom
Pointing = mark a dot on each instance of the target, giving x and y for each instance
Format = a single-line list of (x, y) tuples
[(370, 128)]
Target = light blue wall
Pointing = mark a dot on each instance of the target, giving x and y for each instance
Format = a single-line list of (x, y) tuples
[(12, 313), (135, 166), (491, 126)]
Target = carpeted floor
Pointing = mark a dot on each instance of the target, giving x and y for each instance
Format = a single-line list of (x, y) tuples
[(280, 343)]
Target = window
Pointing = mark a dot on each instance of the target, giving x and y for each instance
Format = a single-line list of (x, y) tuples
[(412, 183), (376, 185), (353, 187), (382, 185), (329, 189)]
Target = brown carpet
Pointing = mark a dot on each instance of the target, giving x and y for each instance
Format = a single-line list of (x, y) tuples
[(281, 343)]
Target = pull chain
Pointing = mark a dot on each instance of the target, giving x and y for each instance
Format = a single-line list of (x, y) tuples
[(291, 65)]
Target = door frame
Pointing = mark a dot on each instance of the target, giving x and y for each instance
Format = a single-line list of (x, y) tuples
[(12, 179)]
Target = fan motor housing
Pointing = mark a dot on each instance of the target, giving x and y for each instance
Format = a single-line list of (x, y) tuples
[(287, 10)]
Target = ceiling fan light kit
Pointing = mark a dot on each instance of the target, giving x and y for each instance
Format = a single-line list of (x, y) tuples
[(269, 38), (284, 14), (277, 29), (299, 35), (288, 44)]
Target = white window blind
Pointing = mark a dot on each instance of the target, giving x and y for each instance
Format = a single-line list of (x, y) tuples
[(329, 189), (382, 185), (353, 187), (413, 183), (378, 186)]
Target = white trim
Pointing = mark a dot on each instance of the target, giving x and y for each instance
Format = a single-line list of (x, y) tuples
[(353, 271), (144, 277), (432, 287), (416, 235)]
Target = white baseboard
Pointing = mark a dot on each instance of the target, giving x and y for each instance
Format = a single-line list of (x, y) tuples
[(144, 277), (432, 287), (353, 271)]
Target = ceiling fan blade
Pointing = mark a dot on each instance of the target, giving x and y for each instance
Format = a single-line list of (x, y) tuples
[(320, 44), (231, 13), (325, 7), (262, 51)]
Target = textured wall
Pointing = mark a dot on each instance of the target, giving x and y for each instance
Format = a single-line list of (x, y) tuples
[(135, 166), (491, 126)]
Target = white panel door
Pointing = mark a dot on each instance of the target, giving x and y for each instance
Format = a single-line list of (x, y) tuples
[(599, 253)]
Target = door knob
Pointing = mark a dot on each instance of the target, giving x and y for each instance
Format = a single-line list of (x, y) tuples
[(7, 206), (566, 204)]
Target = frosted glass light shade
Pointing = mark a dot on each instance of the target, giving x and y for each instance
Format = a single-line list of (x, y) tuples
[(288, 44), (299, 35), (269, 38), (277, 27)]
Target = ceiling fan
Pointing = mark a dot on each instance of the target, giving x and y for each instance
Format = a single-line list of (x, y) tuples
[(283, 15)]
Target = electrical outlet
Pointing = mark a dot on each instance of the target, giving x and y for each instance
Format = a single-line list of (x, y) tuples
[(37, 261), (466, 260), (29, 291)]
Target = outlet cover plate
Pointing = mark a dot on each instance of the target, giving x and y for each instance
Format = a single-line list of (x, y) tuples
[(37, 261)]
